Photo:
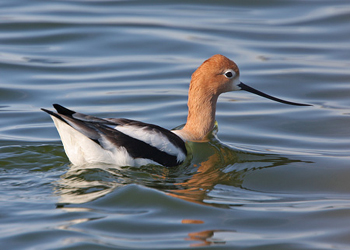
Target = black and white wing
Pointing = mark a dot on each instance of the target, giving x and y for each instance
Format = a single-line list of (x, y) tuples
[(89, 139)]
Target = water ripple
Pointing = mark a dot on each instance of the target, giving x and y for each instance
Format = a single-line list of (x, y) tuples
[(277, 179)]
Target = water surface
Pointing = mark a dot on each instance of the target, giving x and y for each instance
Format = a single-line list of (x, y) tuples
[(277, 177)]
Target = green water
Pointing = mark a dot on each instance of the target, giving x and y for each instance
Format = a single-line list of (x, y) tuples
[(276, 176)]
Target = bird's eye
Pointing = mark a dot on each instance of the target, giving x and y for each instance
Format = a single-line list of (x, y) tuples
[(229, 74)]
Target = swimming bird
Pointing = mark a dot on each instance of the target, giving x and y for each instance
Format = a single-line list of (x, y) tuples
[(124, 142)]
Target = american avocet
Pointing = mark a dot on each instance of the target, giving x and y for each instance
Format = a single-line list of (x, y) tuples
[(124, 142)]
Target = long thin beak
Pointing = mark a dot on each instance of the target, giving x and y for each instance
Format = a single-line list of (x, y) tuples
[(257, 92)]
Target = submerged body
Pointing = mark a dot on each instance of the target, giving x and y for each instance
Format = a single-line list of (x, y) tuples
[(123, 142)]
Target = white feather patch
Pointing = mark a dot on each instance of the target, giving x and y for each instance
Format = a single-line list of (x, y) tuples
[(153, 138)]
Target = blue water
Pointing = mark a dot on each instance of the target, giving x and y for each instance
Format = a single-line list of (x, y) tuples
[(277, 178)]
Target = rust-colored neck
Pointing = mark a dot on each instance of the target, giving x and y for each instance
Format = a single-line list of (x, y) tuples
[(201, 113)]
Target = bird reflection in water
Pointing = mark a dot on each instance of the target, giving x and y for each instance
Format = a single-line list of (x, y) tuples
[(211, 163), (205, 237)]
